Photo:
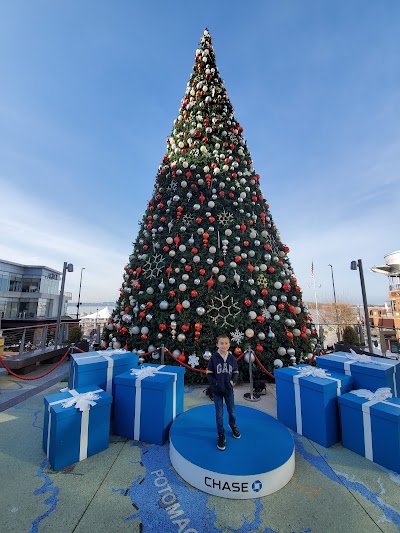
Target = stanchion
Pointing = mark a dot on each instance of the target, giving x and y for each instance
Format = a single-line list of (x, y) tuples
[(249, 358)]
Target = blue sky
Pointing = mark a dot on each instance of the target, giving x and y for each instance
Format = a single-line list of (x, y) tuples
[(89, 92)]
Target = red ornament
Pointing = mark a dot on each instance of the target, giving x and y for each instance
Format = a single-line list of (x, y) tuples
[(210, 283), (193, 294), (188, 268), (185, 328), (259, 348), (202, 272), (271, 270), (143, 337), (247, 302), (260, 319), (264, 292), (182, 357), (281, 306), (237, 350), (237, 258), (179, 307), (162, 327), (172, 293)]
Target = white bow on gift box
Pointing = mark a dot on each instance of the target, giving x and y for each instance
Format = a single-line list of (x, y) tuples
[(380, 395), (82, 402)]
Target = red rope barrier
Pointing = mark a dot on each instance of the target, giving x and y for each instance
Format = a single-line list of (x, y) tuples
[(37, 377), (263, 368), (181, 363)]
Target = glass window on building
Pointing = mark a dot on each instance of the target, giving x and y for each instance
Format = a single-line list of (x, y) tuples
[(27, 309), (44, 307), (12, 307), (4, 281), (49, 284), (30, 284), (15, 283), (3, 303)]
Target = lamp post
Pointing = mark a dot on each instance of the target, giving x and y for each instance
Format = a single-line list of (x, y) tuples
[(336, 309), (79, 296), (354, 265), (70, 268)]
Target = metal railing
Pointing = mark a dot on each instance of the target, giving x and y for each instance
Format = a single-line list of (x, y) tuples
[(20, 340), (385, 340)]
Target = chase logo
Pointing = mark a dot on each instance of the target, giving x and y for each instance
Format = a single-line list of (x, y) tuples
[(257, 486)]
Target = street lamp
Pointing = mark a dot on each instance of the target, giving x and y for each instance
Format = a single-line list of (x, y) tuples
[(79, 297), (336, 309), (70, 268), (354, 265)]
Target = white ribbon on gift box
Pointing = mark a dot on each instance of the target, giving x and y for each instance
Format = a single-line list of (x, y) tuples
[(308, 371), (142, 373), (379, 396), (364, 359), (82, 401)]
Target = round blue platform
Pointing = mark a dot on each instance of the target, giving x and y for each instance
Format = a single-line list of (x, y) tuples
[(259, 463)]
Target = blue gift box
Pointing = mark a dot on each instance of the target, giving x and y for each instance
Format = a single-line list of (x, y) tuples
[(180, 383), (308, 404), (372, 428), (99, 368), (377, 373), (144, 405), (69, 434)]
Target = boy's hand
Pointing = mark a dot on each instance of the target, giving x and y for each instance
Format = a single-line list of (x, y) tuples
[(232, 383)]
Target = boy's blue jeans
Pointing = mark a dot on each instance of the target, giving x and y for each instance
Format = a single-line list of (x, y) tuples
[(219, 410)]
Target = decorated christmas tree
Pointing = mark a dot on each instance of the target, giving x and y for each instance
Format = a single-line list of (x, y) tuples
[(208, 258)]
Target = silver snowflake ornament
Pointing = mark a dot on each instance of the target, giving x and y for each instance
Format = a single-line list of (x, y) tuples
[(237, 336), (193, 360)]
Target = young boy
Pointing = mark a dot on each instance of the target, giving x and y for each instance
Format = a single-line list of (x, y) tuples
[(222, 373)]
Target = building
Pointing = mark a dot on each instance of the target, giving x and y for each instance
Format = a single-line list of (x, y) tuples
[(29, 292), (391, 317)]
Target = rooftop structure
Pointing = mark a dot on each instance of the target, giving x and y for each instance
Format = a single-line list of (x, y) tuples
[(29, 292)]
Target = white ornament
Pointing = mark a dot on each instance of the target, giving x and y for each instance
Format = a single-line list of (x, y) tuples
[(193, 360)]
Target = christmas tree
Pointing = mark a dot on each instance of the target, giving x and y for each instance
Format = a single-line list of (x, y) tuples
[(208, 258)]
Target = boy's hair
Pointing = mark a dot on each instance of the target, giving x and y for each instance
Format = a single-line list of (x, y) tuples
[(223, 336)]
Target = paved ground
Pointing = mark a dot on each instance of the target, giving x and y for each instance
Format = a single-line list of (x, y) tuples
[(333, 490)]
